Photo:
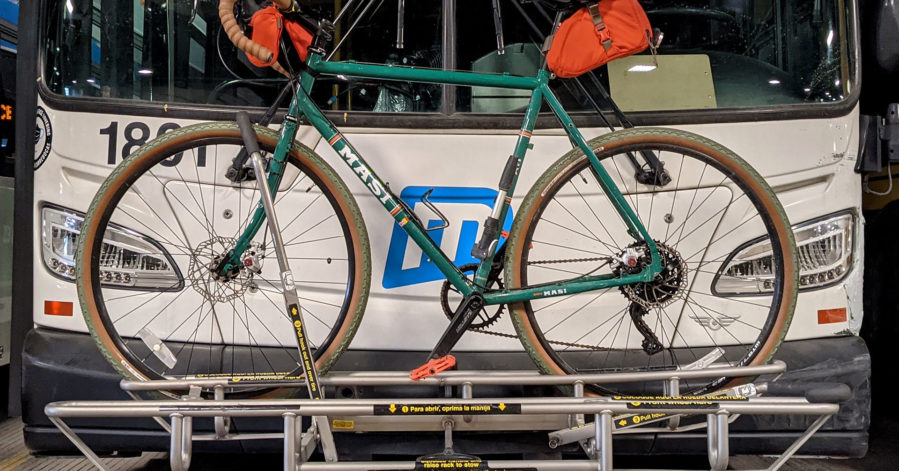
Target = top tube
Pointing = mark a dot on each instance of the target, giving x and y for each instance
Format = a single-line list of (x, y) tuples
[(316, 63)]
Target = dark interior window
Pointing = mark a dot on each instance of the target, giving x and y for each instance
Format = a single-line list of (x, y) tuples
[(751, 52), (143, 50), (716, 54)]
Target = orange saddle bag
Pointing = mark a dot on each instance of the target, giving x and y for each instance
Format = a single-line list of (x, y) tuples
[(598, 34)]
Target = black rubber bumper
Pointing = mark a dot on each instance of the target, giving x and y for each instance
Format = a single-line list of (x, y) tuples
[(61, 366)]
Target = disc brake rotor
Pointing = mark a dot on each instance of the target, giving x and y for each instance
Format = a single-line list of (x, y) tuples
[(203, 260), (667, 287)]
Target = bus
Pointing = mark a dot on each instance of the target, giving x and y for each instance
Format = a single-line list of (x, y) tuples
[(778, 82)]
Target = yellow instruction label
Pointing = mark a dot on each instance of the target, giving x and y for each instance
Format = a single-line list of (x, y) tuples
[(638, 419), (343, 424), (500, 408)]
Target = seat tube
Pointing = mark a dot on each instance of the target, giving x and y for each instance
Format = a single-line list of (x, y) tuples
[(486, 248)]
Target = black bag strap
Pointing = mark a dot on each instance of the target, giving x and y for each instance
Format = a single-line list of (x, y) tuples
[(600, 25)]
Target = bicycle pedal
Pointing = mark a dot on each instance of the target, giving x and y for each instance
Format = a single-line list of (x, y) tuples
[(432, 367)]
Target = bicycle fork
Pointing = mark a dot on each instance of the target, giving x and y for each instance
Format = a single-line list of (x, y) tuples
[(291, 298)]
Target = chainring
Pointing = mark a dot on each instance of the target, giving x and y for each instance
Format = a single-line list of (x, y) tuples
[(484, 318)]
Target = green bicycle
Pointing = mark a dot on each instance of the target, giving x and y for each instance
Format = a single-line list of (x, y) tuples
[(601, 270)]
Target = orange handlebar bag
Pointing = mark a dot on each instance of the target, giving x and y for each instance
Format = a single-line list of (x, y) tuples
[(597, 34), (268, 25)]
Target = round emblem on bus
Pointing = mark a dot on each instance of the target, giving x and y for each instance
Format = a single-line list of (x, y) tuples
[(43, 137)]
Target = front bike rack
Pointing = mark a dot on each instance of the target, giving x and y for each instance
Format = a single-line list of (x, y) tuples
[(561, 417)]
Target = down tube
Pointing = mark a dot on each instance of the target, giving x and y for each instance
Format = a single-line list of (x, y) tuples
[(635, 227), (376, 186)]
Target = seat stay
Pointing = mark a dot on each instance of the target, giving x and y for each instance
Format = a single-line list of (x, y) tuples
[(635, 227)]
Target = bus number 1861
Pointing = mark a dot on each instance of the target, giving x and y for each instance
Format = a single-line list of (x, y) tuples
[(137, 134)]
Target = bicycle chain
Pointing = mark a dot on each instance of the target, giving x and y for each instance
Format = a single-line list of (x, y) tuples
[(555, 342), (569, 260)]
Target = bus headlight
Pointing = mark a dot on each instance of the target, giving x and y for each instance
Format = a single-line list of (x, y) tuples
[(824, 253), (128, 259)]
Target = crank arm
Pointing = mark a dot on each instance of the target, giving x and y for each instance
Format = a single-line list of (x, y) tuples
[(464, 316), (440, 359)]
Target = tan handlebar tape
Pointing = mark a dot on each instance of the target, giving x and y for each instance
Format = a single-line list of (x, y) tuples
[(229, 23)]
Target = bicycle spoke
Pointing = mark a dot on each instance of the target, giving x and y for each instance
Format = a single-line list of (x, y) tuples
[(576, 311), (290, 223), (680, 172), (205, 223), (262, 350), (595, 237), (198, 228), (615, 246), (307, 230), (312, 241), (706, 199), (184, 243)]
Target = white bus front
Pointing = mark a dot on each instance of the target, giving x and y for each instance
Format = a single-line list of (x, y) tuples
[(773, 80)]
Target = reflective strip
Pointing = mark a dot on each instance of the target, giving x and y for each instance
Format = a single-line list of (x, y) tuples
[(58, 308)]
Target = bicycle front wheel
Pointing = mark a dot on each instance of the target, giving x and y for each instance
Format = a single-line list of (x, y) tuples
[(727, 289), (167, 214)]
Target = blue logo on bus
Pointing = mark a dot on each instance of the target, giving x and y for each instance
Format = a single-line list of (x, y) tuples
[(394, 273)]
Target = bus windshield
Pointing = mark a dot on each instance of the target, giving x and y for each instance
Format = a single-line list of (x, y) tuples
[(715, 54)]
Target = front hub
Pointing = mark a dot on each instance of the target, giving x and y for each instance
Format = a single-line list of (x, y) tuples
[(208, 276)]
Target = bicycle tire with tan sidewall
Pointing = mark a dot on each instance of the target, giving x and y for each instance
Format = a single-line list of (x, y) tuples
[(632, 140), (168, 144)]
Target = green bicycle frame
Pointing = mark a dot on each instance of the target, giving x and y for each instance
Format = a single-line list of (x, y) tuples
[(302, 107)]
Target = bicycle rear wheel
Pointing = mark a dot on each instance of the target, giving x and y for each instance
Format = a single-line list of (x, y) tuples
[(728, 285), (158, 223)]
